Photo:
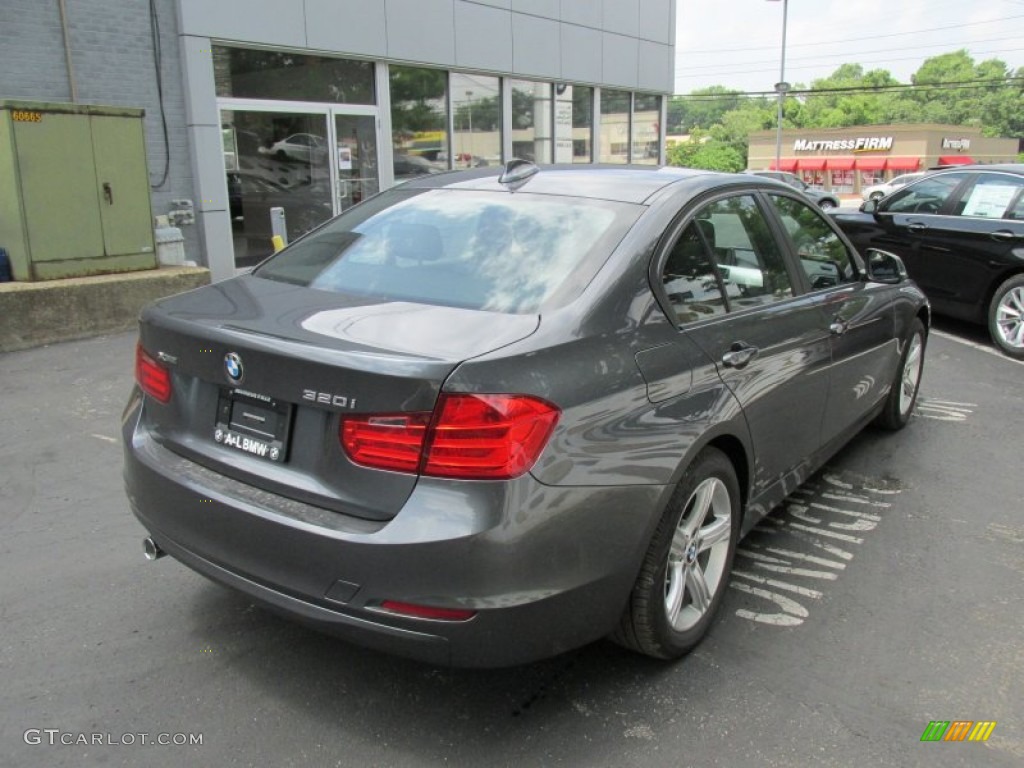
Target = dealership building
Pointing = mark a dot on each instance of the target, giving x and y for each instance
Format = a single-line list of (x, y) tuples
[(313, 105), (845, 160)]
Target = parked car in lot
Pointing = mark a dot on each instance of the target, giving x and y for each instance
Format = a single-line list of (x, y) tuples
[(961, 234), (878, 191), (489, 416), (824, 200)]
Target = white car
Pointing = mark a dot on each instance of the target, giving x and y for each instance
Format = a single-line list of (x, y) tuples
[(304, 147), (878, 191)]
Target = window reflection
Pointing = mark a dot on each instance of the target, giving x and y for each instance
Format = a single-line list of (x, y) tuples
[(249, 74), (614, 126), (646, 118), (476, 108), (531, 120), (274, 160), (419, 121)]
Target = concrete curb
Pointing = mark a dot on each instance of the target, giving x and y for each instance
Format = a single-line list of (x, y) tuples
[(33, 314)]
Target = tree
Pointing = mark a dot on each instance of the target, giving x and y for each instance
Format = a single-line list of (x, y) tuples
[(702, 151), (701, 109)]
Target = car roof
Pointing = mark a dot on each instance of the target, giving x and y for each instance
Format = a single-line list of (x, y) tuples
[(623, 183)]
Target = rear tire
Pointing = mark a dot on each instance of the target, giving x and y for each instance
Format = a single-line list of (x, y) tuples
[(1006, 317), (686, 569), (899, 405), (828, 204)]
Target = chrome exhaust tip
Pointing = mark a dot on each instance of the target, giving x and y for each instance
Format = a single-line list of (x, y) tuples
[(151, 549)]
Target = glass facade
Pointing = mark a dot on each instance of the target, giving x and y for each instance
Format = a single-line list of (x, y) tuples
[(419, 121), (646, 124), (476, 120), (615, 117), (242, 73), (582, 124), (531, 120), (300, 132)]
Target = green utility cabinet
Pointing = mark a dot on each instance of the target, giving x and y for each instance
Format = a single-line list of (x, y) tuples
[(74, 190)]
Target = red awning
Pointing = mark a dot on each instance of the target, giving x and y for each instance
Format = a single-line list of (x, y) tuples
[(811, 163), (875, 163), (785, 164), (956, 160), (840, 163), (903, 163)]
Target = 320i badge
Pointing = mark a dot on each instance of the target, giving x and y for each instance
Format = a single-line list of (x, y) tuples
[(489, 416)]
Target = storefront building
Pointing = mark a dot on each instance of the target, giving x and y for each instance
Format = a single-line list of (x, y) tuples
[(311, 106), (845, 160), (314, 106)]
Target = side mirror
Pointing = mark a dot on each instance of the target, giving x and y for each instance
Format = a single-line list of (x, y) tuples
[(885, 267), (869, 206)]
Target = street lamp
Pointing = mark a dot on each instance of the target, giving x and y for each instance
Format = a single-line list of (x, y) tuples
[(781, 87)]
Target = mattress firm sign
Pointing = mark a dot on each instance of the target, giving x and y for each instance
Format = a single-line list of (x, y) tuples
[(958, 144), (861, 144)]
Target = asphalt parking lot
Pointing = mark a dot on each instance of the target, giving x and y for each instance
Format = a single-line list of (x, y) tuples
[(886, 593)]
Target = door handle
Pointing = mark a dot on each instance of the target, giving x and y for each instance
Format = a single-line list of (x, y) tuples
[(108, 192), (838, 327), (739, 355), (1002, 234), (917, 226)]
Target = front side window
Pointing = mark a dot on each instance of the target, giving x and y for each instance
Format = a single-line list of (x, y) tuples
[(926, 196), (480, 250), (825, 259)]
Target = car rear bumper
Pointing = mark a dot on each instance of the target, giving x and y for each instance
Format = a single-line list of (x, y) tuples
[(546, 569)]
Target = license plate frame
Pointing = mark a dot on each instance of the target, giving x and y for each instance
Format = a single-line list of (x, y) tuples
[(254, 424)]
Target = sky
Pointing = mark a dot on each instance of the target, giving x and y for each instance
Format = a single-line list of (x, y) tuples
[(737, 43)]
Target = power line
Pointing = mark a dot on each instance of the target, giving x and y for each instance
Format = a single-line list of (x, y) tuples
[(947, 86), (816, 66), (853, 39), (842, 55)]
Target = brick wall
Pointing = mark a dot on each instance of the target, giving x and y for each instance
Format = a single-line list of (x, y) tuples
[(112, 54)]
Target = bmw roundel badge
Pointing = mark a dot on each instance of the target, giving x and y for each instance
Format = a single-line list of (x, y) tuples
[(233, 367)]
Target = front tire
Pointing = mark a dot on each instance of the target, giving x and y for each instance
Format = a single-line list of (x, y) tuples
[(899, 405), (686, 569), (1006, 317)]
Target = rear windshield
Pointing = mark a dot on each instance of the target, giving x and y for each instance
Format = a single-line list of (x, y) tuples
[(500, 251)]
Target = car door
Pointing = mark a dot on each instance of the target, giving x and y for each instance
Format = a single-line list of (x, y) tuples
[(859, 316), (731, 290), (908, 212), (962, 254)]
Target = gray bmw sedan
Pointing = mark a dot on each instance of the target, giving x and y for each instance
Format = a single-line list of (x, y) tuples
[(489, 416)]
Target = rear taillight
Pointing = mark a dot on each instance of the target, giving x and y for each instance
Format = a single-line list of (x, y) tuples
[(153, 378), (386, 442), (471, 437)]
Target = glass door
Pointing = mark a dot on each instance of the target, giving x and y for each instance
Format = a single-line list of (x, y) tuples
[(358, 166), (274, 159)]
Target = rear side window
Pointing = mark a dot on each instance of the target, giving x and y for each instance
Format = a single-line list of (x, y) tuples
[(726, 259), (991, 196), (499, 251)]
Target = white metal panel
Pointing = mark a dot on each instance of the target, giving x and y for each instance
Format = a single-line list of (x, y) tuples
[(622, 17), (656, 70), (581, 54), (620, 60), (535, 46), (347, 26), (279, 23), (421, 31), (483, 37), (656, 21)]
